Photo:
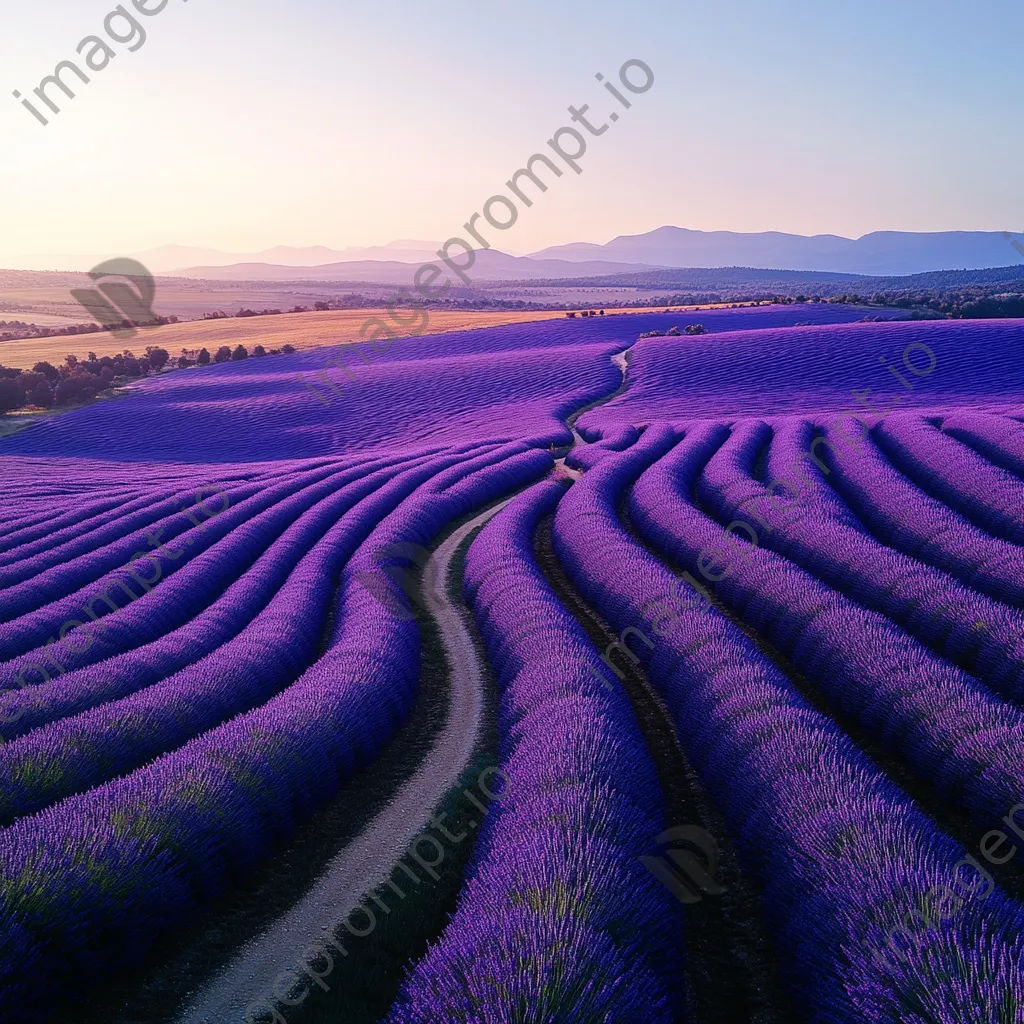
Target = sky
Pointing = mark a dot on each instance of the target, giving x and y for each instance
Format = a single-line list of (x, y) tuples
[(244, 124)]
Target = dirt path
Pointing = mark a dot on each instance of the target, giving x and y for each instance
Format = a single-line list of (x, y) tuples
[(367, 861)]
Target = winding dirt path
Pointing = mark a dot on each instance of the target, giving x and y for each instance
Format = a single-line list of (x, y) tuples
[(368, 860)]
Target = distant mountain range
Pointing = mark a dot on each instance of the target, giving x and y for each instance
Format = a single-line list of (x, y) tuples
[(489, 265), (783, 282), (168, 258), (882, 253)]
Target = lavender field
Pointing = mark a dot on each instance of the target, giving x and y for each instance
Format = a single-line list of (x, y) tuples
[(542, 673)]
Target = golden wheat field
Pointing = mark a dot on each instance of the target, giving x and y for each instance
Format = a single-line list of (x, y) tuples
[(303, 330)]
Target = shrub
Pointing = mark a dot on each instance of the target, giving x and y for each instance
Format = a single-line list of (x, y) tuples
[(10, 395), (74, 389), (29, 381), (49, 371), (157, 357), (42, 395), (259, 350), (287, 349)]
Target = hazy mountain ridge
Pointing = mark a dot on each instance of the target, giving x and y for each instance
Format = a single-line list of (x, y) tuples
[(881, 253)]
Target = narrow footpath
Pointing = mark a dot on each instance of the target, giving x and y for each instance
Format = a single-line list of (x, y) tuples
[(367, 861)]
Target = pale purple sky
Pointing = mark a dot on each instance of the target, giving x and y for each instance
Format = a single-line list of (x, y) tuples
[(241, 124)]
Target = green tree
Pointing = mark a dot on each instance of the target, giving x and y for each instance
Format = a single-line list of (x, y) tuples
[(11, 396), (42, 396)]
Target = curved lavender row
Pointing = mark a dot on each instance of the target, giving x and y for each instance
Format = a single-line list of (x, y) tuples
[(60, 531), (794, 435), (68, 544), (281, 641), (617, 440), (191, 588), (102, 490), (44, 475), (91, 567), (998, 438), (903, 516), (123, 538), (946, 468), (208, 547), (40, 525), (598, 938), (92, 882), (76, 691), (950, 728), (512, 458), (832, 839), (79, 689), (983, 636)]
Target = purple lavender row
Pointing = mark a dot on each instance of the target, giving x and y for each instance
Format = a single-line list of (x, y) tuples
[(988, 496), (831, 838), (999, 439), (128, 529), (558, 919), (92, 882), (904, 517), (131, 532), (44, 582), (784, 461), (121, 675), (280, 643), (41, 542), (74, 593), (85, 484), (23, 527), (57, 531), (35, 474), (251, 477), (617, 440), (951, 729), (189, 590), (981, 635)]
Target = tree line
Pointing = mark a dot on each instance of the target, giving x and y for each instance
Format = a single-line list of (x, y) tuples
[(78, 380)]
